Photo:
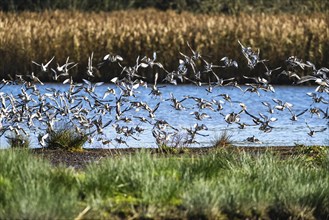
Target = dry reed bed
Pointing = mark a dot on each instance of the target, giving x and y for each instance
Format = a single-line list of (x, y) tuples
[(30, 36)]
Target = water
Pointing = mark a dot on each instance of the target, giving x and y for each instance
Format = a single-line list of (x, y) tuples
[(284, 133)]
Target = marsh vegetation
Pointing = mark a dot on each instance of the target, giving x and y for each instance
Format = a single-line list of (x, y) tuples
[(38, 36)]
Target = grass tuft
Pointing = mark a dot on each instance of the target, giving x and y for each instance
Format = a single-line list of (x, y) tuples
[(66, 139), (177, 143), (18, 141), (223, 140)]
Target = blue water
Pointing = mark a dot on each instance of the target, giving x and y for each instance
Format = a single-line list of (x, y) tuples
[(284, 133)]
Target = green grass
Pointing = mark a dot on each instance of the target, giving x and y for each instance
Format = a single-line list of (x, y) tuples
[(30, 188), (222, 185)]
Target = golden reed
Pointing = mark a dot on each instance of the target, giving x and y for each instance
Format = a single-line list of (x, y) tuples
[(28, 36)]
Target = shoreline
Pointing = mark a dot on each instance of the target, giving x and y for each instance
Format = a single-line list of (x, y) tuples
[(80, 159)]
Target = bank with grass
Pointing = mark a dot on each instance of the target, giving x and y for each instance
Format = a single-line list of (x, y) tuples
[(220, 184)]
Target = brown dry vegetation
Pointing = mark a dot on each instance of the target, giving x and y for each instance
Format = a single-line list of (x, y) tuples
[(31, 36)]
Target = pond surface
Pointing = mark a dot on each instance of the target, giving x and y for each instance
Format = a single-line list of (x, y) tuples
[(285, 132)]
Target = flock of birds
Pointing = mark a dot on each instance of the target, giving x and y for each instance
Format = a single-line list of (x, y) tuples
[(89, 112)]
